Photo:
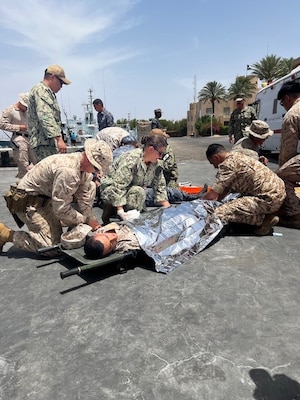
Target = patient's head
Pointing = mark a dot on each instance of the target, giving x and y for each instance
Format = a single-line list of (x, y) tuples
[(100, 245)]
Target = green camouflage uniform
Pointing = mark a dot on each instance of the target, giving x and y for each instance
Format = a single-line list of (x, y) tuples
[(262, 191), (125, 185), (44, 121), (69, 195), (239, 120), (170, 167)]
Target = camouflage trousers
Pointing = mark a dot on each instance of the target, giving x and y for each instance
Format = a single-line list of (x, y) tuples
[(43, 226), (23, 155), (249, 209), (289, 172), (42, 152), (135, 197)]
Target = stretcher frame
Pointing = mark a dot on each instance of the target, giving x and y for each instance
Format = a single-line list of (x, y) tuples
[(85, 263)]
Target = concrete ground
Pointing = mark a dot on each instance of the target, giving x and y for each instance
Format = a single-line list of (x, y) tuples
[(225, 325)]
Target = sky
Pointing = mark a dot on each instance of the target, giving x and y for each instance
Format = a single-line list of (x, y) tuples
[(138, 55)]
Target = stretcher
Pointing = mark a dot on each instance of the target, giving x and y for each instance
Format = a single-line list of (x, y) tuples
[(85, 264)]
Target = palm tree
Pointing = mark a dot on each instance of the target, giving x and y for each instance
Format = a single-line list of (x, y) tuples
[(212, 91), (286, 66), (268, 68), (242, 85)]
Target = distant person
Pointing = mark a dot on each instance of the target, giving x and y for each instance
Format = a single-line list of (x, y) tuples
[(14, 119), (155, 123), (240, 118), (104, 117), (262, 191), (257, 133), (73, 138), (289, 161), (44, 120)]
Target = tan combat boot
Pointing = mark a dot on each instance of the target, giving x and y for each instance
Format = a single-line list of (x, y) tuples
[(6, 235), (266, 227)]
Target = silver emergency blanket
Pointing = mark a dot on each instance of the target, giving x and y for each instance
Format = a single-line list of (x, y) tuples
[(170, 236)]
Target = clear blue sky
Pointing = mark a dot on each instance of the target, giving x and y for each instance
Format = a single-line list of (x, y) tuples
[(138, 55)]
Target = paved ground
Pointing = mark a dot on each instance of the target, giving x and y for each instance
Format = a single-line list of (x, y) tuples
[(225, 325)]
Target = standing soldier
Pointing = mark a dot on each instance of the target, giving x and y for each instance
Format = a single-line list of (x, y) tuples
[(155, 123), (14, 119), (44, 120), (240, 118), (105, 118)]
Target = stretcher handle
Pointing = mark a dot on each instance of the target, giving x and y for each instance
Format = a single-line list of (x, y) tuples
[(48, 248), (70, 272)]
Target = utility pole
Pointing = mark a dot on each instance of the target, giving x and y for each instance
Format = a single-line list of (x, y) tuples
[(195, 88)]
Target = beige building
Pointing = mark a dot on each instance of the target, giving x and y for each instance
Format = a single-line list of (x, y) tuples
[(222, 114)]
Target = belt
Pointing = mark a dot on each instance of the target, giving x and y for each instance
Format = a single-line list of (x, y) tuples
[(22, 134)]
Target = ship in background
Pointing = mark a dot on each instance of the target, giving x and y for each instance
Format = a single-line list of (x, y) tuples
[(83, 128)]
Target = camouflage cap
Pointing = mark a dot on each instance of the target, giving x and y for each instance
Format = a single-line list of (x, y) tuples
[(240, 97), (259, 129), (158, 110), (59, 72), (99, 154), (23, 99)]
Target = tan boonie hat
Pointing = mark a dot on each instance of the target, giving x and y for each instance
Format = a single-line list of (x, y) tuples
[(23, 99), (59, 72), (161, 132), (99, 154), (259, 129)]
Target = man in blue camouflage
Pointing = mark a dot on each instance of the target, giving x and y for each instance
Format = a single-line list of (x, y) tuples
[(105, 118), (44, 120)]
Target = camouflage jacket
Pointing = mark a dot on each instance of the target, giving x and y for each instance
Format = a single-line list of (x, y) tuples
[(105, 119), (247, 176), (170, 167), (290, 133), (44, 121), (248, 147), (59, 177), (130, 170), (239, 120)]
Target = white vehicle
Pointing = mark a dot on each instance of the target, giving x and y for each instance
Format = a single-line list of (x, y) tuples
[(269, 110)]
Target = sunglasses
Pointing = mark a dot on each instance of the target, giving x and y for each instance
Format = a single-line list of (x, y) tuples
[(161, 153)]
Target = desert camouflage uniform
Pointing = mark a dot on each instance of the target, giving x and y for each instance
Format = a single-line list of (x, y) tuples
[(23, 154), (290, 133), (247, 147), (289, 161), (239, 120), (125, 186), (68, 198), (112, 136), (261, 189), (170, 167), (44, 121), (289, 172)]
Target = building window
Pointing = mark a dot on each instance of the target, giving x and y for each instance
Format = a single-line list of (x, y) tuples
[(226, 111), (208, 111)]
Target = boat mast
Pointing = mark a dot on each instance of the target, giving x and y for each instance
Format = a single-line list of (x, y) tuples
[(88, 109)]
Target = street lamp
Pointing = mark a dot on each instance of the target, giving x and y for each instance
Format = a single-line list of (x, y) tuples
[(211, 124)]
